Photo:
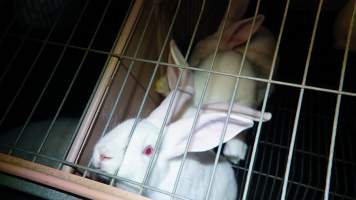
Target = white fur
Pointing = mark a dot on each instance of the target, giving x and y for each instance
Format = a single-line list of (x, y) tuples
[(133, 164), (121, 151), (220, 87), (228, 59)]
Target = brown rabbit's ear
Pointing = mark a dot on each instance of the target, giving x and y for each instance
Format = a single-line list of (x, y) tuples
[(239, 31)]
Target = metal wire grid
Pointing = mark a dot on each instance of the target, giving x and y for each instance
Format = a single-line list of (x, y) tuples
[(44, 44), (291, 148), (309, 164)]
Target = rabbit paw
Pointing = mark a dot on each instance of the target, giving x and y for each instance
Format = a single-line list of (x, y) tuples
[(235, 150)]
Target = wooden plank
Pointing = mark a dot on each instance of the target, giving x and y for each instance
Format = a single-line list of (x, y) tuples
[(63, 181)]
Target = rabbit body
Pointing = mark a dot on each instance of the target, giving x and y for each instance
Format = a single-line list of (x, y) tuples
[(195, 178), (257, 63), (220, 87), (133, 165)]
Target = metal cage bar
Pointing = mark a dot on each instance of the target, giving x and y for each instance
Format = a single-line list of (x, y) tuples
[(337, 106), (264, 80), (292, 142)]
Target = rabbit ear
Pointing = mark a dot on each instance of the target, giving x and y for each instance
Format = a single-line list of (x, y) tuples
[(237, 109), (206, 134), (181, 98), (176, 57), (237, 10), (184, 93), (239, 31)]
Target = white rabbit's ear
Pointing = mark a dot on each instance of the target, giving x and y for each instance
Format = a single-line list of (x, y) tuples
[(239, 31), (183, 94), (181, 98), (176, 57), (238, 109), (206, 134)]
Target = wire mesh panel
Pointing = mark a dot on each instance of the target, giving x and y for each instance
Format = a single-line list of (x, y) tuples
[(52, 56), (305, 79)]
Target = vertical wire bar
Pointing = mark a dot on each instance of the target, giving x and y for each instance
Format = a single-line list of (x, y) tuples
[(306, 157), (264, 147), (143, 102), (337, 109), (125, 80), (257, 137), (127, 73), (175, 186), (204, 89), (124, 83), (51, 75), (283, 121), (28, 75), (14, 56), (232, 101), (190, 46), (72, 81), (270, 163), (96, 86), (300, 100), (162, 128)]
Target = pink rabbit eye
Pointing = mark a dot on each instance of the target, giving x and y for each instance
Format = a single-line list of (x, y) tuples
[(148, 150)]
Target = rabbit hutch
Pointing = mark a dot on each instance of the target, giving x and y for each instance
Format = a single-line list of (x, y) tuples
[(72, 71)]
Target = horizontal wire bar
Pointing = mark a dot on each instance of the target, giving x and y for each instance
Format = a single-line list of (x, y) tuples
[(264, 105), (44, 139), (353, 164), (190, 46), (163, 64), (24, 81), (339, 92), (116, 65), (82, 167), (146, 94), (292, 182), (234, 93), (161, 132), (128, 74)]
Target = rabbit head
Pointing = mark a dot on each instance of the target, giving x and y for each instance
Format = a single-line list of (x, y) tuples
[(117, 151)]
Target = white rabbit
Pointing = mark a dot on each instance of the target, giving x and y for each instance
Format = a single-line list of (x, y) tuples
[(130, 157), (342, 24), (228, 60)]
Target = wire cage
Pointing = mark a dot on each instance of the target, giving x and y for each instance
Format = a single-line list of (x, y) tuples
[(86, 66)]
